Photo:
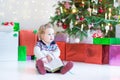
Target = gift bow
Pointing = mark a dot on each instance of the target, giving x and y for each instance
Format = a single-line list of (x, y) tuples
[(8, 23), (97, 34)]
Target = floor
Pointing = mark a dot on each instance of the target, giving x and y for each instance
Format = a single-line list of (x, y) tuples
[(25, 70)]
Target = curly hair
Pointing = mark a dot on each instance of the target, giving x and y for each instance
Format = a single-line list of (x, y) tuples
[(42, 29)]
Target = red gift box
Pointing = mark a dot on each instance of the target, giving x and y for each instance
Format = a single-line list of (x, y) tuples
[(28, 38), (62, 47), (75, 52), (105, 54), (97, 54)]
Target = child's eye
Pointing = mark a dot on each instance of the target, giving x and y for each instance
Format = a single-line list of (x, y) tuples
[(52, 33), (49, 34)]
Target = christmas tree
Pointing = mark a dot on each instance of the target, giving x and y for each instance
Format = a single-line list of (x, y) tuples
[(78, 17)]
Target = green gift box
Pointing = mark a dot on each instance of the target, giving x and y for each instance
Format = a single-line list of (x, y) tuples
[(22, 53), (106, 41)]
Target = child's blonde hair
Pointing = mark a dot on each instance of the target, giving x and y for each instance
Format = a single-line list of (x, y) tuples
[(42, 29)]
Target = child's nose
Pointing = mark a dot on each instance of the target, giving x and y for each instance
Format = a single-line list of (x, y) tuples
[(52, 36)]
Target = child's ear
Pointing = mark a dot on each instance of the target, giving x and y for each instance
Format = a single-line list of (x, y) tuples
[(42, 36)]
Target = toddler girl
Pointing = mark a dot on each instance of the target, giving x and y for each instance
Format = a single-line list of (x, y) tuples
[(47, 52)]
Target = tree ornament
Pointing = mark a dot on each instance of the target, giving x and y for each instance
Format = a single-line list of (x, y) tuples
[(94, 11), (106, 16), (82, 27), (61, 9), (100, 0), (100, 10), (77, 17), (58, 11), (71, 25), (89, 10), (83, 4), (66, 11), (74, 9), (109, 15), (110, 10), (90, 25), (116, 17), (107, 28), (96, 1), (63, 20), (82, 18), (76, 22), (59, 23), (98, 34), (67, 5), (64, 26), (111, 27)]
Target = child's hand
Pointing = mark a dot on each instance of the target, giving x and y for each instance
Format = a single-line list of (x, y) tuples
[(49, 58), (45, 60)]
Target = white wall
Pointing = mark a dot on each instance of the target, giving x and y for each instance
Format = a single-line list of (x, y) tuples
[(29, 13)]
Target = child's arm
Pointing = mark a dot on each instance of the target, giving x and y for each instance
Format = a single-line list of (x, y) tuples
[(56, 52), (38, 53), (52, 54)]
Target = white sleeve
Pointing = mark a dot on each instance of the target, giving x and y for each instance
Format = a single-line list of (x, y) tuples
[(42, 54), (38, 53)]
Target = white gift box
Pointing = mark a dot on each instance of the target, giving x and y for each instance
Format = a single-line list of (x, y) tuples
[(117, 33), (6, 28), (8, 46), (89, 39)]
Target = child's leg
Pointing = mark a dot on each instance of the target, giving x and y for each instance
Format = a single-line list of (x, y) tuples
[(40, 67), (66, 68)]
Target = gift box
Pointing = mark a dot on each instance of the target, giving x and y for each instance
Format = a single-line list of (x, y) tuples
[(105, 54), (117, 31), (60, 36), (114, 55), (28, 57), (22, 53), (31, 57), (97, 54), (106, 41), (62, 47), (28, 38), (9, 46), (75, 52)]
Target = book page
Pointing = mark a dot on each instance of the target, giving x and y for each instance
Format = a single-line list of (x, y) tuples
[(54, 64)]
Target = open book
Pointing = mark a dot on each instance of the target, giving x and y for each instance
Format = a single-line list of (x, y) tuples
[(54, 65)]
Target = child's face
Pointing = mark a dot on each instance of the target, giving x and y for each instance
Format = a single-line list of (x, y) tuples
[(48, 36)]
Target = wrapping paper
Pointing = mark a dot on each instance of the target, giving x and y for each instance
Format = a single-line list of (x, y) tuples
[(97, 54), (28, 39), (114, 55), (75, 52), (9, 46), (22, 56), (106, 41), (62, 47)]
